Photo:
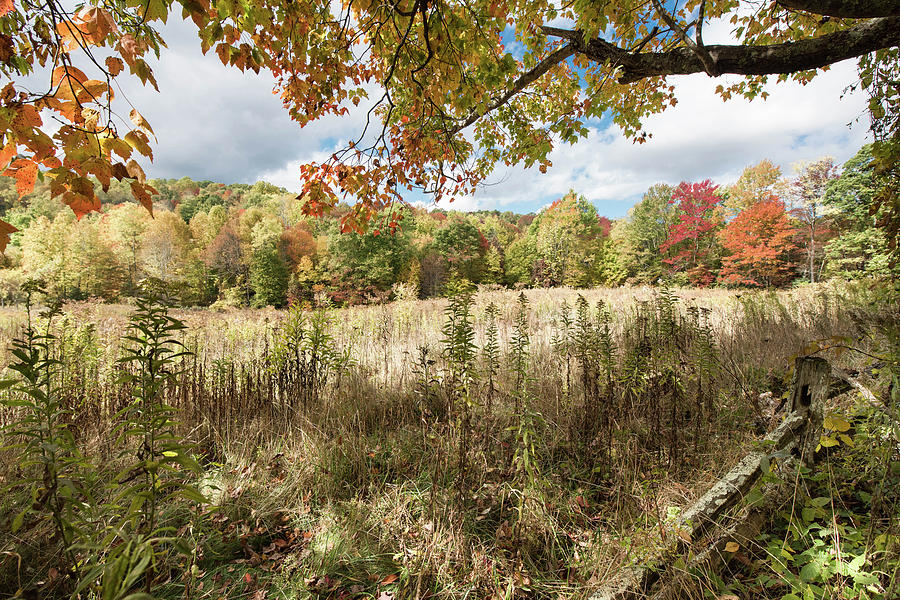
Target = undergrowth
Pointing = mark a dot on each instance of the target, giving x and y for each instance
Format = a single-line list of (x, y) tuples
[(493, 446)]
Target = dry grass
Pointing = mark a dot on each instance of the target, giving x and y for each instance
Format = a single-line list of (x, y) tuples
[(385, 477)]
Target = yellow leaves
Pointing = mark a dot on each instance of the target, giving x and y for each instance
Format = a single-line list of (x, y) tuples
[(139, 141), (90, 118), (101, 169), (837, 423), (732, 547), (835, 432), (144, 72), (112, 144), (5, 231), (140, 122)]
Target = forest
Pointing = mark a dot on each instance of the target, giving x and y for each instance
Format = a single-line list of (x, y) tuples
[(251, 245)]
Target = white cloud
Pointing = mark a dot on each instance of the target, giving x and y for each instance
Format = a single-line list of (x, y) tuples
[(701, 137)]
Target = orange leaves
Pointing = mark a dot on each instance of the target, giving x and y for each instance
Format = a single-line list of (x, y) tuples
[(80, 203), (224, 52), (5, 231), (198, 10), (128, 48), (75, 191), (86, 148), (97, 23), (25, 173), (74, 89), (6, 153), (90, 27), (26, 116), (114, 65)]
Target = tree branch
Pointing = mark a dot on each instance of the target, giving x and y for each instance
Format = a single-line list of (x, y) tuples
[(789, 57), (709, 63), (846, 9), (524, 80)]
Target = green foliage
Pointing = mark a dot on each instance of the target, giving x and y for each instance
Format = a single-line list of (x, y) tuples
[(158, 462), (304, 352), (490, 351), (268, 276), (645, 231), (862, 247), (52, 467)]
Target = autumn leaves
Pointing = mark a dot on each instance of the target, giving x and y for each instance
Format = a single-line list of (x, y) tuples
[(87, 147)]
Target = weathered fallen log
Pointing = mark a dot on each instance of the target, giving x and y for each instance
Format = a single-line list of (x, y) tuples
[(797, 435)]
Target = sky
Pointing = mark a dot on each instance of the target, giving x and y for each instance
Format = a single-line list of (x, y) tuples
[(217, 123)]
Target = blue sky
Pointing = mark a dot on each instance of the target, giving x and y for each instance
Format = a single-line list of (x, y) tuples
[(217, 123)]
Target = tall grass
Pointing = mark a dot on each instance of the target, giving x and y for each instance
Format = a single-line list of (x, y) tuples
[(486, 445)]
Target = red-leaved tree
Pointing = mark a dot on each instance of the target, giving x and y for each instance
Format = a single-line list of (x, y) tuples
[(760, 245), (691, 240)]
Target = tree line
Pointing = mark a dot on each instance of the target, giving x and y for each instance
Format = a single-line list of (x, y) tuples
[(241, 244)]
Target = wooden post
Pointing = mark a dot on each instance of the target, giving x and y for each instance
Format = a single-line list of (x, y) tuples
[(809, 389)]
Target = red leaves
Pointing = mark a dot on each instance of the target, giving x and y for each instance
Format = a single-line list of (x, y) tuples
[(691, 237), (6, 6)]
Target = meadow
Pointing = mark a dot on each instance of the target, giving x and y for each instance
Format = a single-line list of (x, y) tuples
[(495, 444)]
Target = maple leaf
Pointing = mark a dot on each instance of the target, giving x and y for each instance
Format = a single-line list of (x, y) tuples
[(5, 231), (114, 65), (97, 23), (140, 122), (81, 203), (143, 193), (25, 172), (6, 153), (135, 171)]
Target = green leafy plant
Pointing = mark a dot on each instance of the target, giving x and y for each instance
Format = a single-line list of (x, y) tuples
[(51, 464), (157, 460)]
